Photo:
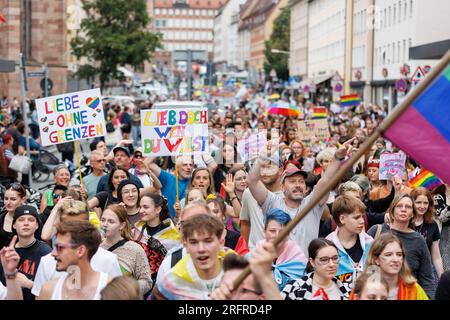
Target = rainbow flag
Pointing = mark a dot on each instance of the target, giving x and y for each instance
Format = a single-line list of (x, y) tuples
[(350, 100), (425, 179), (284, 108), (423, 129), (319, 113)]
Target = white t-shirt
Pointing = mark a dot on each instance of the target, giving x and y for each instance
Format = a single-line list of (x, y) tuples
[(102, 261), (252, 212), (2, 291), (332, 291), (307, 229)]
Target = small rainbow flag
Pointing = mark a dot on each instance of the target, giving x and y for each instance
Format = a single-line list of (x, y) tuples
[(319, 113), (284, 108), (350, 100), (425, 179)]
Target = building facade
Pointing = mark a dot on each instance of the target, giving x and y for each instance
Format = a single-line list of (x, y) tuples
[(243, 48), (29, 30), (185, 25), (395, 35), (226, 35), (298, 58)]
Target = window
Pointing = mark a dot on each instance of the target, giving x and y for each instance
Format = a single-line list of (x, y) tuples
[(385, 18), (25, 31), (394, 14), (388, 54), (399, 57), (404, 50), (393, 53), (405, 15), (411, 8), (399, 11), (390, 16)]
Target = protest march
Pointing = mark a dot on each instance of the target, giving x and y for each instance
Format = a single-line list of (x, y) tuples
[(283, 190)]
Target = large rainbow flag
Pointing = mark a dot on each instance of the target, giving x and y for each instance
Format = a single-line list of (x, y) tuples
[(284, 108), (350, 100), (425, 179), (423, 128)]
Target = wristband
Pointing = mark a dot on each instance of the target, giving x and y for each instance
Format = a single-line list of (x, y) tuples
[(337, 158), (11, 276)]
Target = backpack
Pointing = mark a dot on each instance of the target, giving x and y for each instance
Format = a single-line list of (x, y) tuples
[(176, 256)]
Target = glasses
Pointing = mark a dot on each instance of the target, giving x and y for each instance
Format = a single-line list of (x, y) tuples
[(401, 206), (100, 160), (326, 260), (56, 196), (138, 156), (16, 187), (60, 246)]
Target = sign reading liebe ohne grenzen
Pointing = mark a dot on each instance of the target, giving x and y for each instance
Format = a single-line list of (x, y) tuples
[(70, 117), (172, 132), (391, 165)]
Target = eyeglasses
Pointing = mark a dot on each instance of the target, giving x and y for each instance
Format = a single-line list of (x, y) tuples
[(326, 260), (100, 160), (59, 246), (56, 196), (401, 206)]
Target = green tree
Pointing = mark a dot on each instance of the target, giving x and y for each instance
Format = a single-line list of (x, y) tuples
[(279, 39), (114, 33)]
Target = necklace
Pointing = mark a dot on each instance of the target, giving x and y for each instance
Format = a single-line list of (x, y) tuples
[(26, 247)]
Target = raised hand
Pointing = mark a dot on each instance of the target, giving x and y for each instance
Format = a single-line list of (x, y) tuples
[(9, 257), (229, 184)]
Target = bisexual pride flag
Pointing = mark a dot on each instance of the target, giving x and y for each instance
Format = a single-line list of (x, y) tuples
[(423, 129)]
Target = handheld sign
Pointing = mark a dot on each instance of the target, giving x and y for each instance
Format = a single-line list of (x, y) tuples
[(392, 164), (172, 132), (71, 117)]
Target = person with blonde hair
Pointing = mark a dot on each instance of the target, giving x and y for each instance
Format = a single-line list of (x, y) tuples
[(388, 253), (370, 286), (118, 240), (121, 288), (402, 214)]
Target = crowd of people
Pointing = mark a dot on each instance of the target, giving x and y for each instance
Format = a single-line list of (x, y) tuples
[(184, 228)]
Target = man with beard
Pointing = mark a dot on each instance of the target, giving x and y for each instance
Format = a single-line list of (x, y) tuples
[(26, 225), (293, 187), (251, 217), (76, 243)]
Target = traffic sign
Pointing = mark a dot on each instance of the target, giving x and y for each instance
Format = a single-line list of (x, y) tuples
[(417, 76), (426, 69), (35, 74), (49, 84), (401, 85), (338, 87)]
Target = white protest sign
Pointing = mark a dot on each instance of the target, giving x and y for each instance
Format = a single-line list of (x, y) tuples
[(70, 117), (252, 146), (392, 164), (172, 132)]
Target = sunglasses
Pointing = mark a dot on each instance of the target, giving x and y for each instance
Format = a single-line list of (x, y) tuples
[(56, 196), (100, 160), (138, 156), (60, 246)]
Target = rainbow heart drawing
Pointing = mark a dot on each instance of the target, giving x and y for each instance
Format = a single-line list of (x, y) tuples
[(45, 129), (98, 110), (43, 119), (94, 115), (93, 102), (51, 122)]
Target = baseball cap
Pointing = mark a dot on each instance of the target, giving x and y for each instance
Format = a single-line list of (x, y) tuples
[(124, 149), (26, 210), (292, 171)]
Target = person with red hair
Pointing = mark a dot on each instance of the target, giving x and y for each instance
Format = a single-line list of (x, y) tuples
[(6, 155)]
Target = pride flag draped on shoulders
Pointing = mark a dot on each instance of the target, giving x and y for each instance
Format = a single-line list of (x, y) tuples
[(182, 282), (423, 129)]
